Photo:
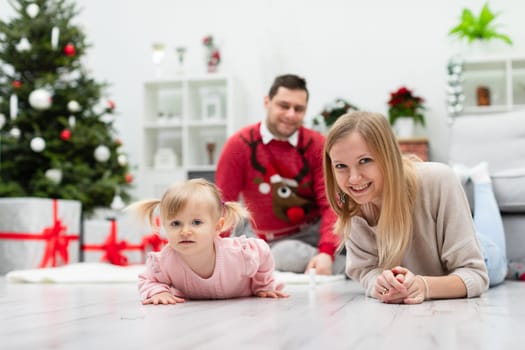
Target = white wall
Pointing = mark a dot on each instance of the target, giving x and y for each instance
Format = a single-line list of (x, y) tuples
[(355, 49)]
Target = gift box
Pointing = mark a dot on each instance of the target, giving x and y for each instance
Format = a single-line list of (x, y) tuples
[(38, 232), (119, 241)]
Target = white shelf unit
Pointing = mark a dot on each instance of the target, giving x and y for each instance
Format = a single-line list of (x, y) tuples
[(504, 77), (183, 116)]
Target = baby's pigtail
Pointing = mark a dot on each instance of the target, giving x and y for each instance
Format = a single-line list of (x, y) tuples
[(145, 209), (234, 213)]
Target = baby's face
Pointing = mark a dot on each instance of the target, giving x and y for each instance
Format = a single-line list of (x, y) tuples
[(193, 229)]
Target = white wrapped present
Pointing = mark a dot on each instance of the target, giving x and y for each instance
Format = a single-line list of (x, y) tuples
[(38, 232), (117, 241)]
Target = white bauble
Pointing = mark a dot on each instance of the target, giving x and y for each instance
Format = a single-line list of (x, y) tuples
[(15, 132), (102, 153), (38, 144), (72, 121), (122, 159), (55, 175), (100, 107), (107, 118), (23, 45), (40, 99), (73, 106), (117, 203), (32, 10), (2, 120)]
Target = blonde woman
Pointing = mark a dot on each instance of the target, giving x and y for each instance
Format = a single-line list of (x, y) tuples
[(407, 226), (197, 263)]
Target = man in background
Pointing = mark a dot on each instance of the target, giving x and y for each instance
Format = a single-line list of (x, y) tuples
[(276, 166)]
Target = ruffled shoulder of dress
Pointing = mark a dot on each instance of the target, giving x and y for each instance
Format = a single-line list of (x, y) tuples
[(251, 251)]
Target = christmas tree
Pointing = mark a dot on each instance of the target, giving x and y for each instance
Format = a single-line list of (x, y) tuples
[(57, 138)]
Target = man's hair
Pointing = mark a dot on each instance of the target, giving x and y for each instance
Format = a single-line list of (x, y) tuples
[(288, 81)]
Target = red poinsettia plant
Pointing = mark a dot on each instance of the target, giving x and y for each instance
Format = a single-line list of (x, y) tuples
[(403, 103)]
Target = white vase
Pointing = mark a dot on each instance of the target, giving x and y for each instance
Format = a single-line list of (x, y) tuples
[(404, 127)]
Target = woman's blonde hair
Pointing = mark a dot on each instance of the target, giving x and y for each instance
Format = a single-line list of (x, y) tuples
[(178, 195), (394, 226)]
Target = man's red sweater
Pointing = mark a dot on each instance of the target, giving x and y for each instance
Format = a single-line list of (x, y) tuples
[(280, 184)]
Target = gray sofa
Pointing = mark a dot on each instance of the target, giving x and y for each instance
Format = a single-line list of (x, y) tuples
[(498, 139)]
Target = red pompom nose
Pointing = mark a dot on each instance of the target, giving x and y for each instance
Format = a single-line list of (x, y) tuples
[(295, 214)]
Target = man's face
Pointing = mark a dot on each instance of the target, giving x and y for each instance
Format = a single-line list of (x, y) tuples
[(285, 111)]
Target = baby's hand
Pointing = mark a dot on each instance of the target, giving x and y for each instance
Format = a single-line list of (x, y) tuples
[(271, 294), (163, 298)]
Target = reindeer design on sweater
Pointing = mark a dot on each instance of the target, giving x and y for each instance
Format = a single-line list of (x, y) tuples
[(287, 204)]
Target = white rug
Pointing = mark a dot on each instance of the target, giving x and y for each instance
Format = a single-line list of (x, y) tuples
[(78, 273), (107, 273)]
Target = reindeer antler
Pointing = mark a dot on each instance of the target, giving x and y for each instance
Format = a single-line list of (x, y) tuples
[(252, 143), (306, 167)]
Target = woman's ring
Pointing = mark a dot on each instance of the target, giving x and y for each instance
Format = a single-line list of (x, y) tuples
[(384, 291)]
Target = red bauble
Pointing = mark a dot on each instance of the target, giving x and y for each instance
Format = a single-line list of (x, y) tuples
[(128, 178), (65, 134), (111, 104), (17, 84), (70, 50)]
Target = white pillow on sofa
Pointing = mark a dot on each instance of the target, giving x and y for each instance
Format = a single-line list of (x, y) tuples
[(499, 140), (509, 188)]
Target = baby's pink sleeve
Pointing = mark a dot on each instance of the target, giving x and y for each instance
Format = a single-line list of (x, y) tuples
[(154, 280), (262, 266)]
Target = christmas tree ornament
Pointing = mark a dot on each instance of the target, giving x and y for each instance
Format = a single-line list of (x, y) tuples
[(122, 159), (102, 153), (37, 144), (55, 35), (100, 107), (107, 118), (117, 203), (2, 120), (72, 121), (23, 45), (73, 106), (128, 178), (65, 134), (54, 175), (70, 49), (15, 132), (111, 104), (13, 106), (40, 99), (32, 10), (17, 84)]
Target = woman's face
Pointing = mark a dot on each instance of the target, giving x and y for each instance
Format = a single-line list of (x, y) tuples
[(356, 170)]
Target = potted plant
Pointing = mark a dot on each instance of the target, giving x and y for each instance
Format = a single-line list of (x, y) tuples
[(405, 110), (478, 28), (332, 111)]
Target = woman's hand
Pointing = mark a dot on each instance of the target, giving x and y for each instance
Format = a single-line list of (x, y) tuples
[(400, 285), (271, 294), (164, 298), (390, 288)]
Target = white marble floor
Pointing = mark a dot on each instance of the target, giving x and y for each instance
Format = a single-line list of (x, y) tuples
[(330, 316)]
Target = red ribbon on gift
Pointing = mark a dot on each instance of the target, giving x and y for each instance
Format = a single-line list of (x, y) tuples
[(154, 240), (56, 237), (113, 249)]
